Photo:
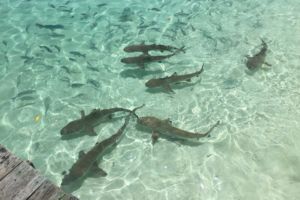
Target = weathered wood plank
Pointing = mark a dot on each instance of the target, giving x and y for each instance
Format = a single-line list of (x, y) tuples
[(50, 192), (8, 162), (20, 183)]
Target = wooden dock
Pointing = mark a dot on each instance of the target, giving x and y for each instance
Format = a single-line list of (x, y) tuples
[(21, 181)]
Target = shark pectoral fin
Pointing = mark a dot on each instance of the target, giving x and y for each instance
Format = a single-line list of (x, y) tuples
[(82, 113), (96, 171), (110, 116), (167, 87), (80, 154), (90, 131), (174, 74), (154, 137)]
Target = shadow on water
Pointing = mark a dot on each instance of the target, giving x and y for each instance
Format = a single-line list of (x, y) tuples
[(138, 73)]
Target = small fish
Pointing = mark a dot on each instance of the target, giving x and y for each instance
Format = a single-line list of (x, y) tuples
[(77, 85), (89, 67), (26, 98), (56, 35), (46, 48), (77, 53), (101, 5), (66, 69), (47, 103), (24, 93), (95, 83), (51, 5), (155, 9), (57, 48)]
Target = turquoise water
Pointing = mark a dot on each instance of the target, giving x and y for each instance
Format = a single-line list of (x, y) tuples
[(253, 154)]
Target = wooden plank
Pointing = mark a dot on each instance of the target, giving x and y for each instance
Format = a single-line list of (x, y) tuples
[(49, 191), (8, 162), (20, 183)]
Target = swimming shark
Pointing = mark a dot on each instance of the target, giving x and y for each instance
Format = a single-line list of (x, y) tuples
[(87, 123), (87, 165), (145, 58), (159, 126), (166, 81), (258, 59), (151, 47)]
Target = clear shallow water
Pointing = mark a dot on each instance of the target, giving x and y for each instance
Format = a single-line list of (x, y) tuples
[(253, 154)]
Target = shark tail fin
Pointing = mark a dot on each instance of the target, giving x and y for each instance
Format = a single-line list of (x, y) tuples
[(201, 70), (210, 130), (135, 109), (264, 43), (181, 49)]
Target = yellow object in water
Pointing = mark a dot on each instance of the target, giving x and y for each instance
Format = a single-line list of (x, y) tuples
[(37, 118)]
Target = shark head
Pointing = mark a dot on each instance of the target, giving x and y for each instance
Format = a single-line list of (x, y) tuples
[(125, 60), (153, 83), (72, 127), (67, 180)]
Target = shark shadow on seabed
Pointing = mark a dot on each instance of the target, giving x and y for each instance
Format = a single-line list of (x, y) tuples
[(138, 73)]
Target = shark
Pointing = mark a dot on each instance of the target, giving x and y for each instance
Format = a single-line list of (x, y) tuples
[(87, 165), (159, 126), (174, 78), (145, 58), (151, 47), (87, 123), (257, 60)]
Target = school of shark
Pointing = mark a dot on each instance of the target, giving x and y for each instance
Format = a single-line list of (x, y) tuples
[(87, 163)]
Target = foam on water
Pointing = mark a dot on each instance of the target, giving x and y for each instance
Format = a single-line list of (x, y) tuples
[(253, 154)]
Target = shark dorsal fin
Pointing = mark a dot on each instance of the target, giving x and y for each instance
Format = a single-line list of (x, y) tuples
[(95, 110), (168, 121), (167, 87), (96, 171), (174, 74), (82, 113), (81, 153)]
